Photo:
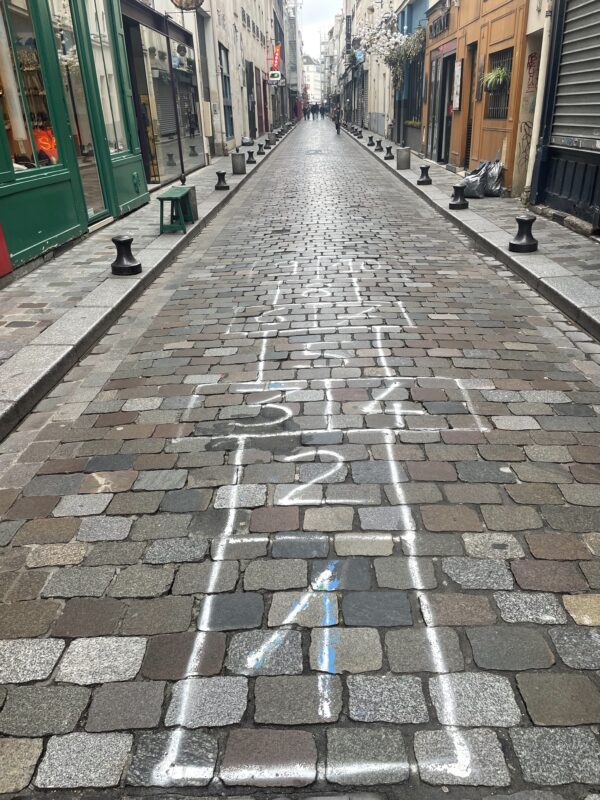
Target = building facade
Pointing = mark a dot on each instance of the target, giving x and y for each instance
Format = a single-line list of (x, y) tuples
[(313, 79), (408, 98), (69, 148), (469, 116), (567, 165)]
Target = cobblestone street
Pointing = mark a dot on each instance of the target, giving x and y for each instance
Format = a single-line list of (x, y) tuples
[(319, 514)]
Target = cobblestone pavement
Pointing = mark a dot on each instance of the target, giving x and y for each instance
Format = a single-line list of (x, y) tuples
[(319, 514)]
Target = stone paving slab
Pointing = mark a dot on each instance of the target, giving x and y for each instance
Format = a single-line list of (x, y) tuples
[(564, 269), (51, 316)]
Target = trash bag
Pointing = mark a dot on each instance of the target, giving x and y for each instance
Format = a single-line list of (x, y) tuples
[(247, 141), (475, 183), (493, 178)]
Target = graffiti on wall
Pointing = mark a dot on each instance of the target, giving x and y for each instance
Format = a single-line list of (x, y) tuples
[(533, 64)]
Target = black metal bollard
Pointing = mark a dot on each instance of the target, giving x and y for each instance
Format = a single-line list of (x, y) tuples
[(267, 145), (221, 182), (125, 263), (378, 147), (193, 151), (250, 159), (359, 134), (370, 143), (171, 160), (279, 134), (458, 201), (424, 179), (389, 156), (524, 241), (261, 149)]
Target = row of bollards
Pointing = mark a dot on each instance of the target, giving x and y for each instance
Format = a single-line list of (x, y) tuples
[(523, 242), (125, 262)]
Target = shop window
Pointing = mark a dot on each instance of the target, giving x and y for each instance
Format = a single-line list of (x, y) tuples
[(108, 81), (497, 100), (72, 79), (226, 85), (23, 101)]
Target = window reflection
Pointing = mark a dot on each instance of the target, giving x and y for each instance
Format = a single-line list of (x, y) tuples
[(72, 79), (98, 21)]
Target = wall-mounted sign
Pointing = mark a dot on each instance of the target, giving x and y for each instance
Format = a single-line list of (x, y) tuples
[(276, 56), (457, 85), (348, 33)]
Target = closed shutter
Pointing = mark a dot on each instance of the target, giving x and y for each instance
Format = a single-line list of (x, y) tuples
[(576, 121), (163, 95)]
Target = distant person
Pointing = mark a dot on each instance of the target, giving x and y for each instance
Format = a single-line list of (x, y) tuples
[(322, 111), (315, 111)]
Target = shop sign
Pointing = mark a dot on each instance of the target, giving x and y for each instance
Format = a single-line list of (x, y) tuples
[(439, 25), (457, 85), (348, 33), (276, 56), (274, 77)]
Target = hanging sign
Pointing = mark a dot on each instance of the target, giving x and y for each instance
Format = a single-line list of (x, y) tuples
[(274, 77), (276, 56)]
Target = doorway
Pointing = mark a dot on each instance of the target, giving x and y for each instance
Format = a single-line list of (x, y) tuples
[(259, 101), (445, 115), (472, 55), (251, 97), (77, 107)]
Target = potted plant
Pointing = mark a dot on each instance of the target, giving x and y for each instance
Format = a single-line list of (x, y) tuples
[(152, 52), (496, 80)]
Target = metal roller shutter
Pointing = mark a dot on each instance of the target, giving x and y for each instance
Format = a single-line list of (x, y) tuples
[(163, 94), (576, 120)]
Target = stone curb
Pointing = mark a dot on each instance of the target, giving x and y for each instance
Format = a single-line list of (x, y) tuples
[(573, 296), (48, 357)]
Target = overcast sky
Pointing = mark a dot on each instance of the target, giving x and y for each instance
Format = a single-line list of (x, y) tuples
[(317, 17)]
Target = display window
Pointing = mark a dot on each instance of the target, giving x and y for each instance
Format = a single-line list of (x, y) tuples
[(103, 49), (77, 108), (23, 100)]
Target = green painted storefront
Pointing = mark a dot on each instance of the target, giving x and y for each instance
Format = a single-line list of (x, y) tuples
[(69, 148)]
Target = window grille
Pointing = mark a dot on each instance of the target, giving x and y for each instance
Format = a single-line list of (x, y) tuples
[(497, 101)]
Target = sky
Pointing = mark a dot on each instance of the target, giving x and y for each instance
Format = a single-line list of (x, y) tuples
[(317, 17)]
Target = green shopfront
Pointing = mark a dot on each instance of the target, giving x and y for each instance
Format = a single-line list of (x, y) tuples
[(69, 149)]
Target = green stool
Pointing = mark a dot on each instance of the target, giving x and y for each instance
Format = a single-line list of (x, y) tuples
[(181, 211)]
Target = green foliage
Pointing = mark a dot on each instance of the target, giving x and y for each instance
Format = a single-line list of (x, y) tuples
[(496, 79)]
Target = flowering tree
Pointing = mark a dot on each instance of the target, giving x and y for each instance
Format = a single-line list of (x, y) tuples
[(384, 41)]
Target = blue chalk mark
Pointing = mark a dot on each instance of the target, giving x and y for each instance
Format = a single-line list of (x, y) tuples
[(327, 654)]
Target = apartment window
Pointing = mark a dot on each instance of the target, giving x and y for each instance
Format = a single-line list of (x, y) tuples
[(226, 85), (497, 101)]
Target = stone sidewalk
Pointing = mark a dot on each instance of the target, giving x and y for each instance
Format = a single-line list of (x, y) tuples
[(52, 315), (566, 267)]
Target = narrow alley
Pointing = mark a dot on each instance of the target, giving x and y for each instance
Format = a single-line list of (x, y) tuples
[(319, 514)]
